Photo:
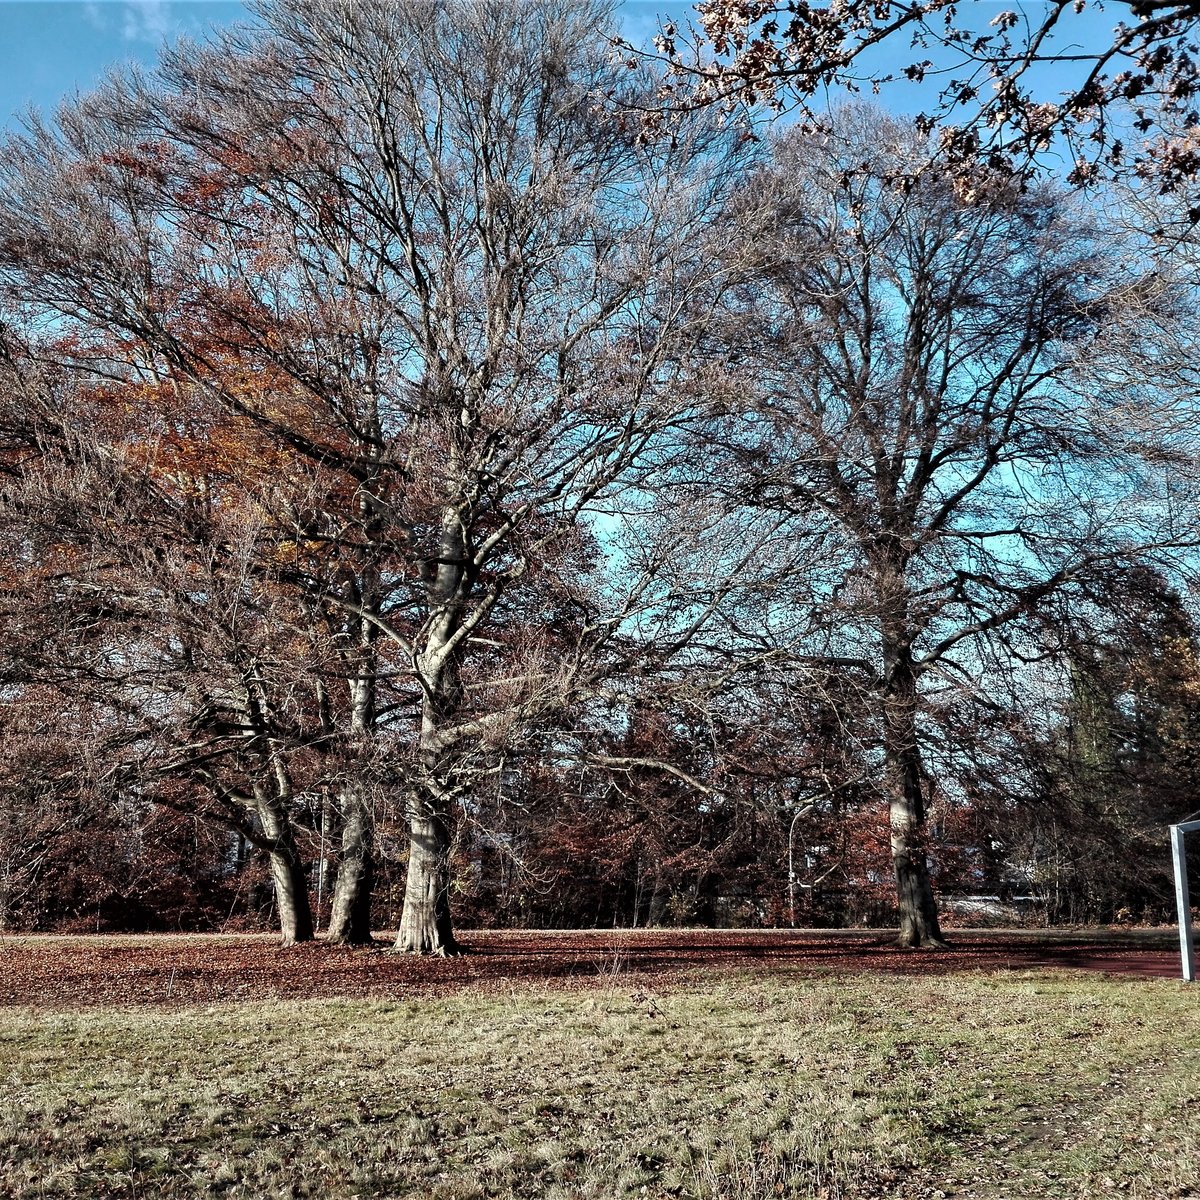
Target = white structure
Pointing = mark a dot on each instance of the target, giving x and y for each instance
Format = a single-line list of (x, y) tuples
[(1182, 900)]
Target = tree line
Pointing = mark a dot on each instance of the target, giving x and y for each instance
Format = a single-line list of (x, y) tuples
[(426, 484)]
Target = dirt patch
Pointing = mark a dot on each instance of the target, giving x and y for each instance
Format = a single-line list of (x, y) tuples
[(57, 972)]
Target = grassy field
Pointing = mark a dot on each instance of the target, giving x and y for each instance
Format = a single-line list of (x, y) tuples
[(1002, 1085)]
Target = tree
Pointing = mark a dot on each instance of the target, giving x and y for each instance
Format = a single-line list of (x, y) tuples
[(407, 249), (1117, 759), (138, 600), (1125, 98), (907, 352)]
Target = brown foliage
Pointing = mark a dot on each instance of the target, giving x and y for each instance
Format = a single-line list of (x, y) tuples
[(1122, 98), (189, 971)]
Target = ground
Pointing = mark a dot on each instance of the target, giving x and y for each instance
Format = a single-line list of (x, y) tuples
[(648, 1064)]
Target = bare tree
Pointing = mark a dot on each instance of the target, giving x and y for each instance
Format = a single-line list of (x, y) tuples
[(408, 248), (136, 596), (910, 353)]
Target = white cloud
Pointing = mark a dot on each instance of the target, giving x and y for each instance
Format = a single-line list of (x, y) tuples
[(147, 21), (93, 13)]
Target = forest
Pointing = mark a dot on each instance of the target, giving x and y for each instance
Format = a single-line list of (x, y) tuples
[(439, 490)]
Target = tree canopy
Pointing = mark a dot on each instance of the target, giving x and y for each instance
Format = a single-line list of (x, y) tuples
[(1112, 85)]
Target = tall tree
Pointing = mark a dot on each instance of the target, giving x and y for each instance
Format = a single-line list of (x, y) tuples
[(408, 248), (140, 593), (907, 351), (1118, 757)]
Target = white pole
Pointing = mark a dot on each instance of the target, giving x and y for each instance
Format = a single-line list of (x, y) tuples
[(791, 866), (791, 878), (1183, 903)]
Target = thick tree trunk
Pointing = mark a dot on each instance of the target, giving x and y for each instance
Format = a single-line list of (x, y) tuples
[(350, 910), (287, 872), (425, 924), (291, 899), (425, 927), (914, 893), (350, 914), (919, 925)]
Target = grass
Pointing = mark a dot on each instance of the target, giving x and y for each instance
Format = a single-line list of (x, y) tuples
[(1005, 1085)]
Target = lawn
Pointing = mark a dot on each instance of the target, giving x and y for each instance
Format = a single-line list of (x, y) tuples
[(783, 1081)]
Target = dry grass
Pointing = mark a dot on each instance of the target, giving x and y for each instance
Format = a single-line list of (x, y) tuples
[(790, 1084)]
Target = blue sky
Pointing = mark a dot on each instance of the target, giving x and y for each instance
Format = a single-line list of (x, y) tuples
[(51, 48)]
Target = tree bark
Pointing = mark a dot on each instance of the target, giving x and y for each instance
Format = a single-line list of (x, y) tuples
[(350, 914), (287, 871), (291, 899), (425, 927), (919, 926), (425, 924)]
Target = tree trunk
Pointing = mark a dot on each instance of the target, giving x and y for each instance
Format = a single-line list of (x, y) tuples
[(287, 872), (425, 924), (425, 927), (919, 925), (350, 914), (291, 898), (914, 892)]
